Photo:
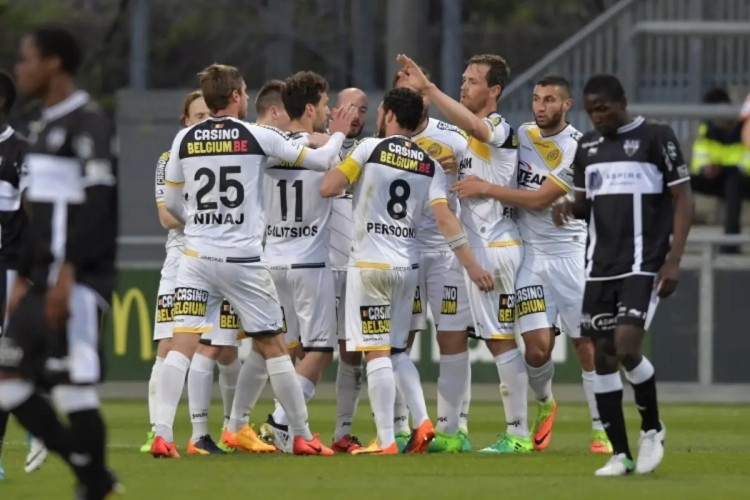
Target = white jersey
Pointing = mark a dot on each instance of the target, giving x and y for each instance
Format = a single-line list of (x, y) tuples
[(395, 181), (220, 165), (341, 220), (447, 144), (487, 222), (296, 215), (539, 158), (175, 237)]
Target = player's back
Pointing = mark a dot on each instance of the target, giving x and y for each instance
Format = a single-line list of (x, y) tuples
[(488, 222), (441, 140), (540, 158), (393, 190), (296, 215), (223, 163)]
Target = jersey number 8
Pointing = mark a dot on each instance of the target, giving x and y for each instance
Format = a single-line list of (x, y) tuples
[(397, 201), (224, 184)]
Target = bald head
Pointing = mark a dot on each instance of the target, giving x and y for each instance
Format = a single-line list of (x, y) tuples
[(357, 98)]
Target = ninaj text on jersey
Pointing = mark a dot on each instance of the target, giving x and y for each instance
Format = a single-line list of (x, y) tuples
[(216, 141)]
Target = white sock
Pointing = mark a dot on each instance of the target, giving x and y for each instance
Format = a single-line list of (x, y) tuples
[(289, 393), (381, 386), (451, 386), (400, 413), (540, 380), (588, 390), (153, 385), (308, 390), (408, 381), (514, 389), (641, 373), (228, 375), (171, 384), (250, 383), (463, 416), (348, 385), (200, 381)]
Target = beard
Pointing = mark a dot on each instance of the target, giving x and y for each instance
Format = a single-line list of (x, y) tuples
[(381, 128), (553, 122), (354, 133)]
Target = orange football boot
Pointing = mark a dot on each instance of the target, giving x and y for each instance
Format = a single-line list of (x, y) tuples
[(374, 448), (347, 444), (420, 438), (161, 449), (313, 447), (247, 440)]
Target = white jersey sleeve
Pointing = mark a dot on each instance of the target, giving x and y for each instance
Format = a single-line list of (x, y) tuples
[(562, 175), (438, 192), (161, 168), (500, 130), (355, 161), (274, 144), (174, 180)]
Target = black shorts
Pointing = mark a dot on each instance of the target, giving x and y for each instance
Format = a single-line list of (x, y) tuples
[(626, 301), (48, 356)]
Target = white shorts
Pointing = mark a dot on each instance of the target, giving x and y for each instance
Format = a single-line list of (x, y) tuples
[(202, 285), (339, 289), (378, 308), (549, 286), (227, 327), (494, 312), (164, 321), (306, 296), (455, 311), (433, 268)]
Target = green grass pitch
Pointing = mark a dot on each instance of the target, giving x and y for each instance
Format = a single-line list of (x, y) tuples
[(708, 457)]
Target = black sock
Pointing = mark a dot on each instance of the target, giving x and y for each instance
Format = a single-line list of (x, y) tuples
[(645, 400), (4, 416), (609, 405), (38, 417), (88, 433)]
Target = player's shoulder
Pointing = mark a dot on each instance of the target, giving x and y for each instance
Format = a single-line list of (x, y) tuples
[(448, 129), (655, 129), (267, 129), (590, 139), (568, 137)]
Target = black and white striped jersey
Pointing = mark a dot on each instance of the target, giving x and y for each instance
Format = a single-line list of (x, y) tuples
[(13, 220), (627, 180), (72, 192)]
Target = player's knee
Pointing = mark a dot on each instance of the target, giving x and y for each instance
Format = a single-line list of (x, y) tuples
[(350, 358), (185, 343), (14, 392), (209, 351), (227, 356), (537, 355), (629, 360), (605, 356), (628, 345), (452, 342), (72, 399)]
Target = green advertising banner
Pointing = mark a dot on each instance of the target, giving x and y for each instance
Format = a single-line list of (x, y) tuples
[(130, 349)]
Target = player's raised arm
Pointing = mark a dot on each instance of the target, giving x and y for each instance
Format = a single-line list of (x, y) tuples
[(167, 220), (453, 110), (174, 180), (314, 159), (348, 171), (93, 148)]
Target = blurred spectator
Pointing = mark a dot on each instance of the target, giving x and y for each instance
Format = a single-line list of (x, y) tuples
[(745, 117), (719, 166)]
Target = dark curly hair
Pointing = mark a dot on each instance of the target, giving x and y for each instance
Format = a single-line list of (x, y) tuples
[(407, 105), (301, 89)]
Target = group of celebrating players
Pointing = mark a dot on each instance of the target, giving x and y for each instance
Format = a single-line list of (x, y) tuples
[(294, 233), (291, 232)]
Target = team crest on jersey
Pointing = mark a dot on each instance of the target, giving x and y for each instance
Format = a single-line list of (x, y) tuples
[(594, 181), (631, 146), (228, 319), (434, 150), (376, 320), (416, 307), (553, 155)]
